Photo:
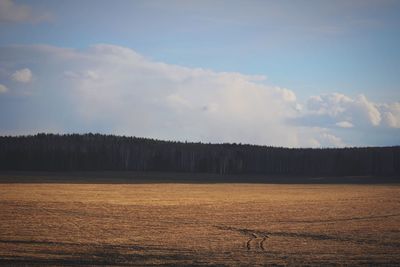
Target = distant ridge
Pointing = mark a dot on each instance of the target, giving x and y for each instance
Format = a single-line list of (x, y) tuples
[(96, 152)]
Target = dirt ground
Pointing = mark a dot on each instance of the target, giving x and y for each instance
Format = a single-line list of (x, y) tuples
[(199, 224)]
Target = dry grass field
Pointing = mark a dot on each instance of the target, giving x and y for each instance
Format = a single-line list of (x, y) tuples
[(199, 224)]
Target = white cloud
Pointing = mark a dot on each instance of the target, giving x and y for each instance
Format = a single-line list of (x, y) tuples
[(113, 89), (287, 95), (130, 94), (88, 74), (328, 139), (329, 104), (318, 137), (13, 12), (391, 114), (3, 89), (22, 75), (344, 124), (167, 101), (345, 111), (178, 102), (367, 109)]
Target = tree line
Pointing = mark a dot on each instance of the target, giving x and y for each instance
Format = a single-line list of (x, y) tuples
[(96, 152)]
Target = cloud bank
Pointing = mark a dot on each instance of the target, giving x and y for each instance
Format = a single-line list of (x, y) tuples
[(113, 89)]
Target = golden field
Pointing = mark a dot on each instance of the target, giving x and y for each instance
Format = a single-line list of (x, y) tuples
[(199, 224)]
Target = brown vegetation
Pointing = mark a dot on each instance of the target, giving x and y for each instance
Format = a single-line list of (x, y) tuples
[(199, 224)]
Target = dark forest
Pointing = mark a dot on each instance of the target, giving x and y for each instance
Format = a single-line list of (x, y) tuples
[(96, 152)]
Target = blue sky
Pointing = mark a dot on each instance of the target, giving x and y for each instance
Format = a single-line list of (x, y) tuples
[(290, 73)]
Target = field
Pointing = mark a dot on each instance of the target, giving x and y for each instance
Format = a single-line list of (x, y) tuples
[(199, 224)]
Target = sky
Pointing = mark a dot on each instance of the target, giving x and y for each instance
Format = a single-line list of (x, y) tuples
[(277, 73)]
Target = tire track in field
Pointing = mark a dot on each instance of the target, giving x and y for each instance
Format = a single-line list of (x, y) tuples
[(249, 233), (253, 236), (318, 237), (262, 246), (248, 243)]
